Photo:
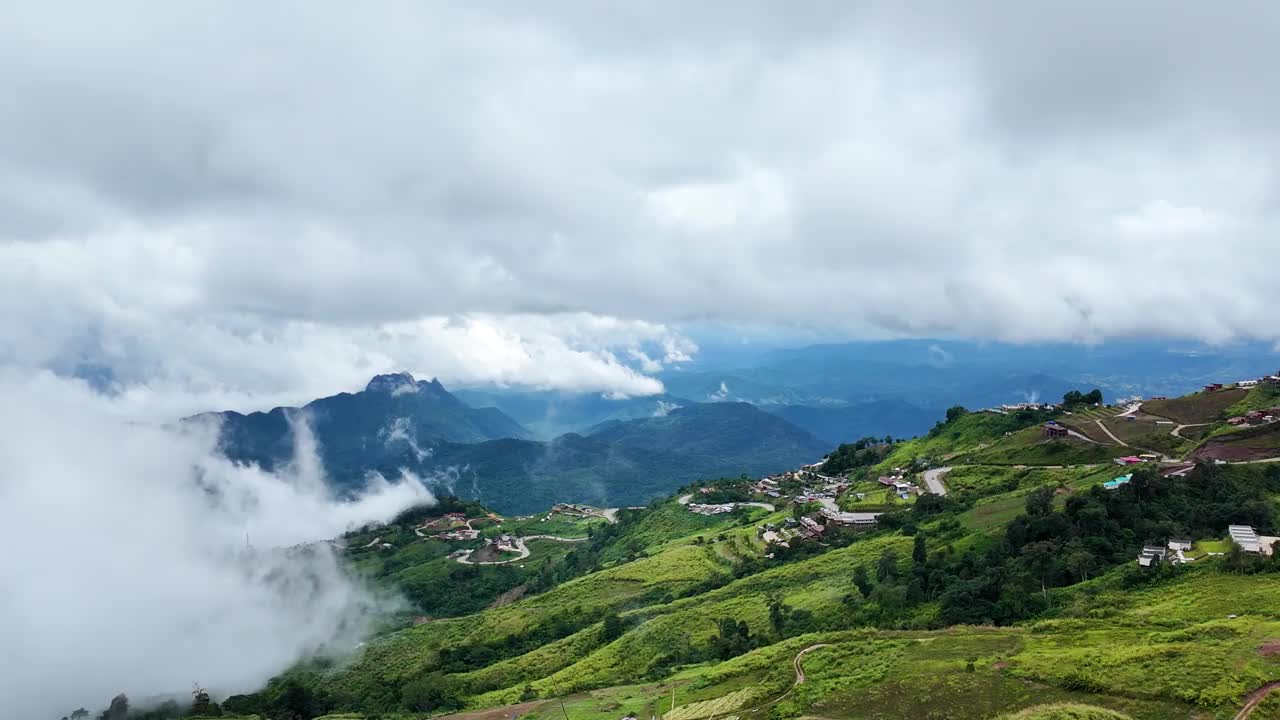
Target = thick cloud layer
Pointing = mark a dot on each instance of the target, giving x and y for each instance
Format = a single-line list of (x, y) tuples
[(126, 566), (220, 195)]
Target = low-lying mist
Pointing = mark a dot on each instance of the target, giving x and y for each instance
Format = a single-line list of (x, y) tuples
[(136, 560)]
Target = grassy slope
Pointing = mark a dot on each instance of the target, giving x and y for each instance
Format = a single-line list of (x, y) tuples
[(1262, 397), (1196, 408), (1165, 651)]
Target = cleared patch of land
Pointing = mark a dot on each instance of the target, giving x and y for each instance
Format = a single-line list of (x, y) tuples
[(1201, 407)]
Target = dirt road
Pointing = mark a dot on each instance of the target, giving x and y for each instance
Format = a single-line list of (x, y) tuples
[(800, 678), (1255, 698), (799, 667)]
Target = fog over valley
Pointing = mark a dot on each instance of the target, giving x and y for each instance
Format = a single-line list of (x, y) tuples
[(408, 359)]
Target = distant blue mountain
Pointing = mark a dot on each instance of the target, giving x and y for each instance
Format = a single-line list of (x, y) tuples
[(398, 423), (549, 413), (392, 414), (935, 374)]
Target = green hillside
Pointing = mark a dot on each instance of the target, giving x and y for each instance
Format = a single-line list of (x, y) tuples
[(1015, 595)]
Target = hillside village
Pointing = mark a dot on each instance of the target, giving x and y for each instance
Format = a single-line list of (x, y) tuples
[(760, 568)]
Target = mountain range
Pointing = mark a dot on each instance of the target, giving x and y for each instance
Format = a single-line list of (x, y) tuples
[(398, 423)]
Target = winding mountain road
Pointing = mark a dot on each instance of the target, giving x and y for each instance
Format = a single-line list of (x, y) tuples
[(1255, 698), (464, 556), (800, 679), (933, 480), (1110, 434), (1177, 432)]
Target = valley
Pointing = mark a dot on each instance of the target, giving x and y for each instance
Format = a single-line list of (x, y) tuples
[(992, 567)]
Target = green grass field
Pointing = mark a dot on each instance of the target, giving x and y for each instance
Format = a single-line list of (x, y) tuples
[(1030, 447)]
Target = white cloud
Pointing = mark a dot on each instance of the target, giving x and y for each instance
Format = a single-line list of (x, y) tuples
[(298, 216), (134, 576)]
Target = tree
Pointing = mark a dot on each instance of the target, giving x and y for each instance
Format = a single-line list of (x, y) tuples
[(915, 591), (733, 640), (199, 700), (295, 701), (118, 709), (887, 566), (861, 580), (1040, 501), (79, 714), (243, 705), (1236, 558), (956, 412), (430, 692), (890, 596), (612, 628), (1080, 562), (919, 552), (1041, 559)]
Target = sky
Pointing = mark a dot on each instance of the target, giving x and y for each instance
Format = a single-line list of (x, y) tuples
[(221, 205), (224, 205)]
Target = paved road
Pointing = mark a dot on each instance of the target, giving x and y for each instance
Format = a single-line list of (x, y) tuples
[(1131, 410), (1177, 432), (524, 551), (1110, 434), (1081, 436), (933, 480)]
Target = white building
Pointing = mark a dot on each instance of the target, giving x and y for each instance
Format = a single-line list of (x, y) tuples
[(1246, 537)]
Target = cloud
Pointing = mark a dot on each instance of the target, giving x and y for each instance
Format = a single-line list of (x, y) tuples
[(134, 574), (1027, 173)]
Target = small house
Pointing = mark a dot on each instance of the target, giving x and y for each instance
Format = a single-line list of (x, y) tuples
[(1129, 460), (1179, 544), (1113, 484), (813, 526), (1255, 416), (1054, 430), (1213, 387), (1151, 556), (1236, 421)]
